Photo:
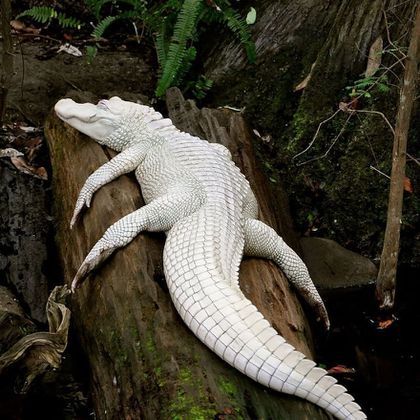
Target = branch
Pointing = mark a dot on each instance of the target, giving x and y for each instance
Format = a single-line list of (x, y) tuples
[(385, 286)]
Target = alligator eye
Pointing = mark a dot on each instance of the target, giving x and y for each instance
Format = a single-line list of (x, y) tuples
[(103, 104)]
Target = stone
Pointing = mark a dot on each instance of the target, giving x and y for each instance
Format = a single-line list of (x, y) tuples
[(333, 267)]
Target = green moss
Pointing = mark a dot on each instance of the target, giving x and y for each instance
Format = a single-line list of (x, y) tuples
[(185, 375), (227, 387), (150, 344), (191, 401), (184, 407)]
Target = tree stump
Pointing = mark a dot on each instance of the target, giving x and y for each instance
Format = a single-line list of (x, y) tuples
[(144, 362)]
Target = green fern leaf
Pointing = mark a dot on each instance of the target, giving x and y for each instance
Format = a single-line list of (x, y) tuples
[(95, 6), (241, 30), (102, 26), (68, 22), (161, 44), (45, 14), (202, 86), (42, 14), (189, 57), (184, 30)]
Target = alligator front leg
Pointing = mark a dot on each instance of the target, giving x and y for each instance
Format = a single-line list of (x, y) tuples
[(124, 162), (159, 215), (263, 241)]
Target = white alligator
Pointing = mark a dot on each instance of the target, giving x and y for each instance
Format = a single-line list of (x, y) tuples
[(195, 193)]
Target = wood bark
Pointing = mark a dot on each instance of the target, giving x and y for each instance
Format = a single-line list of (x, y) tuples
[(330, 42), (385, 286), (143, 361), (7, 56), (24, 230)]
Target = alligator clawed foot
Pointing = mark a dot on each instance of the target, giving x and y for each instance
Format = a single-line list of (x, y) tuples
[(95, 258)]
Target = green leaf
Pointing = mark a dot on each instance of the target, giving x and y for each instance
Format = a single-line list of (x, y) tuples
[(91, 52), (251, 17)]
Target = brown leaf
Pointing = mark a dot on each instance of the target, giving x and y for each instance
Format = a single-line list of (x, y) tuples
[(375, 57), (302, 85), (20, 26), (341, 369), (408, 186), (386, 323), (349, 106), (21, 164), (17, 25)]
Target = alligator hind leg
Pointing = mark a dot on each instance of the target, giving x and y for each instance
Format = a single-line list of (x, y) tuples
[(159, 215), (263, 241)]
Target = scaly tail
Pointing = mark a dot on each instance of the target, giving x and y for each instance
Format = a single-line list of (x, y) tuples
[(229, 324)]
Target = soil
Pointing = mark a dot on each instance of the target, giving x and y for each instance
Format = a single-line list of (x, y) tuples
[(42, 76)]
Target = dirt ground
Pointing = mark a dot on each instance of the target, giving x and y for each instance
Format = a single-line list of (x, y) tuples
[(42, 76)]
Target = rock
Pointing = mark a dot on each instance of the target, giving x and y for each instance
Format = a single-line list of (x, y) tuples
[(333, 267)]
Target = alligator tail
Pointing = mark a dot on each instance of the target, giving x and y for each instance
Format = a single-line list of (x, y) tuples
[(230, 325)]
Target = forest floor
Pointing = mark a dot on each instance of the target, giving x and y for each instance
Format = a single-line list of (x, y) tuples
[(387, 356)]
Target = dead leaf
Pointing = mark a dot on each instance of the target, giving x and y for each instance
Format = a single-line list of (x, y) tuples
[(70, 49), (408, 186), (348, 106), (302, 85), (386, 323), (21, 164), (20, 26), (375, 57), (341, 369), (17, 25), (10, 152)]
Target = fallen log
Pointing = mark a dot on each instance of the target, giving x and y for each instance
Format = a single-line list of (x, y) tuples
[(144, 362)]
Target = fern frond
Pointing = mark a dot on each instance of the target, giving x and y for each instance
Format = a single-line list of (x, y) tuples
[(95, 6), (103, 25), (161, 44), (184, 30), (41, 14), (186, 64), (240, 29), (45, 14), (68, 21), (202, 86)]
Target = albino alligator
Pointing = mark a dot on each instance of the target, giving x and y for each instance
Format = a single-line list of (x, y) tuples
[(196, 194)]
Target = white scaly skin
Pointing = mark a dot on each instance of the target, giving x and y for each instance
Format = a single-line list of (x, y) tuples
[(196, 194)]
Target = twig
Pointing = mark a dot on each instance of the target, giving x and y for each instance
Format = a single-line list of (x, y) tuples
[(413, 159), (368, 140), (366, 111), (316, 133), (38, 36), (379, 172), (331, 145)]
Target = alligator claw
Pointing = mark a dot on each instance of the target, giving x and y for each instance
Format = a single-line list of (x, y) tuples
[(95, 258)]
